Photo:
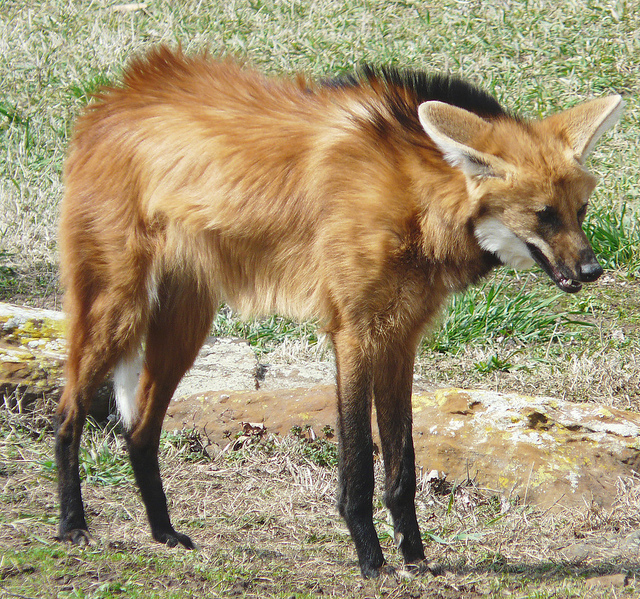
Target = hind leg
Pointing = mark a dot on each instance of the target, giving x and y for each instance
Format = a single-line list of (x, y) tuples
[(70, 418), (98, 333), (176, 332)]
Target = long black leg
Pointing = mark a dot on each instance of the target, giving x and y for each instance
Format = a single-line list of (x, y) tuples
[(392, 392), (177, 329), (356, 480)]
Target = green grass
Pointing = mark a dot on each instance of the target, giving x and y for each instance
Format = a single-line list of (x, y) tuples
[(263, 334), (318, 450), (615, 237), (7, 275), (85, 574), (495, 311), (536, 56)]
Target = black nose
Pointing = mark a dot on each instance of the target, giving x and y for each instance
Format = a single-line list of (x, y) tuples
[(590, 270)]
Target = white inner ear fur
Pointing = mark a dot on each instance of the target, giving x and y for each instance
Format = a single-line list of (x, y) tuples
[(495, 237), (450, 127), (609, 118)]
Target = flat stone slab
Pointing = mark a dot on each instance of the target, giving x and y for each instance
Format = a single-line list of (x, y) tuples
[(543, 450), (546, 451), (221, 364), (221, 414), (32, 350)]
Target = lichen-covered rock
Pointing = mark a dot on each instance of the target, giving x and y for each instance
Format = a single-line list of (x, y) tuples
[(32, 353), (542, 449), (545, 451)]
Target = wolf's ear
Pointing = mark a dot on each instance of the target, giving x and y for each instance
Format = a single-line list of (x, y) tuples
[(583, 125), (453, 129)]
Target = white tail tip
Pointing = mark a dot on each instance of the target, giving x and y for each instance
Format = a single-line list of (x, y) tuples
[(126, 376)]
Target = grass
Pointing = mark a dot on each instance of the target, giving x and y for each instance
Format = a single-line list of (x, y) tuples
[(524, 315), (264, 519), (263, 334), (514, 332), (615, 236)]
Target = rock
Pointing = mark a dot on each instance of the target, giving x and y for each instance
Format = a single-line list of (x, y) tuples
[(221, 414), (31, 354), (611, 580), (221, 364), (546, 451), (297, 375), (609, 547)]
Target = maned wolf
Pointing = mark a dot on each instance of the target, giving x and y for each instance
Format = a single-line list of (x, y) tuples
[(363, 201)]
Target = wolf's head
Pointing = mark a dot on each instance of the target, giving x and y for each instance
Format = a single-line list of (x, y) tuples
[(527, 182)]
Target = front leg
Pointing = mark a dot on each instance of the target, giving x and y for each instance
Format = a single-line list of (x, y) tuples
[(355, 463), (392, 392)]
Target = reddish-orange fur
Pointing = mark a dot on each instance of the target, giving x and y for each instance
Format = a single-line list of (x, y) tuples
[(198, 182)]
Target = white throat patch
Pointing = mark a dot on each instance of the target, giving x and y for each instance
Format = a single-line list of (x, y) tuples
[(494, 237)]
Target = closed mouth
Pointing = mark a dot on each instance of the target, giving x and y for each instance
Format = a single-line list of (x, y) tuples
[(567, 284)]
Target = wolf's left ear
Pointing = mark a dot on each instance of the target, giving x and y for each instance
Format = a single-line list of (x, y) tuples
[(583, 125), (453, 130)]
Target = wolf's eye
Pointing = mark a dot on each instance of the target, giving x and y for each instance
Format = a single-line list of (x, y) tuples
[(582, 213), (549, 216)]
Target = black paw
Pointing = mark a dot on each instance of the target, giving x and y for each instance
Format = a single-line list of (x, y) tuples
[(76, 536), (173, 538), (423, 567), (373, 572)]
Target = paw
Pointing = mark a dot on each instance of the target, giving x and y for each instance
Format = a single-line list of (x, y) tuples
[(423, 567), (373, 572), (173, 538), (76, 536)]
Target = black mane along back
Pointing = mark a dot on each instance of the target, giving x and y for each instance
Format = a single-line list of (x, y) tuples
[(404, 90)]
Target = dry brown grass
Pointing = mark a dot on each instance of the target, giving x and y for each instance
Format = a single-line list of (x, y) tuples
[(266, 520), (265, 523), (609, 377)]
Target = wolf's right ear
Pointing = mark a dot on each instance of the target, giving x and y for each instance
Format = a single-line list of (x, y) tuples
[(453, 129)]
